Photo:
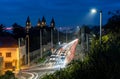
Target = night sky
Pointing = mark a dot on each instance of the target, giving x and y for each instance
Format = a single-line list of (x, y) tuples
[(65, 12)]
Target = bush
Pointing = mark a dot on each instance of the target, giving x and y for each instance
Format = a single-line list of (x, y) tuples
[(8, 75)]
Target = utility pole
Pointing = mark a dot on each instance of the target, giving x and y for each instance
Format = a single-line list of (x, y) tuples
[(19, 57), (40, 44), (28, 49), (51, 40), (100, 26), (58, 35), (28, 26), (66, 35)]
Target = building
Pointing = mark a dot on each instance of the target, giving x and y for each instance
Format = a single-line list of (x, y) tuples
[(13, 55), (39, 23), (28, 24), (52, 23), (43, 22)]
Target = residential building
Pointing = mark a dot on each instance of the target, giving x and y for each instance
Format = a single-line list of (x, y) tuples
[(13, 55)]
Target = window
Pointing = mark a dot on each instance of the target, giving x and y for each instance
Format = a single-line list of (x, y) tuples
[(8, 54), (0, 54), (8, 65)]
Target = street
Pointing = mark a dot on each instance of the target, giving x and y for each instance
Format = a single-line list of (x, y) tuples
[(59, 59)]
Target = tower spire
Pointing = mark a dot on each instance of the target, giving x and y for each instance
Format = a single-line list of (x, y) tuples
[(43, 21), (39, 23), (28, 23), (52, 23)]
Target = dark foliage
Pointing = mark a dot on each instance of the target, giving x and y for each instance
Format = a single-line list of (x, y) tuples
[(18, 31), (8, 75), (113, 24)]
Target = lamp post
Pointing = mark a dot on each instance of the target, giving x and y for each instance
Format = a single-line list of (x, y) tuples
[(28, 44), (19, 57), (40, 44), (58, 35), (66, 35), (51, 40), (100, 26), (28, 49), (95, 11)]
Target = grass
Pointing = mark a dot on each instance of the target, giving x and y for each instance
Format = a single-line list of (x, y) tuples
[(41, 60)]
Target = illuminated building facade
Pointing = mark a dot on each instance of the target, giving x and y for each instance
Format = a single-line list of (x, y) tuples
[(12, 55)]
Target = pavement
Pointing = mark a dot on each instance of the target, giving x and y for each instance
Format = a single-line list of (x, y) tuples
[(26, 75), (29, 75)]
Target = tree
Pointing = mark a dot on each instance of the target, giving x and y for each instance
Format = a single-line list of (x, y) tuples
[(1, 28), (113, 24), (18, 31), (3, 31)]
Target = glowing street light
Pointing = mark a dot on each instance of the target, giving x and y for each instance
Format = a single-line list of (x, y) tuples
[(95, 11)]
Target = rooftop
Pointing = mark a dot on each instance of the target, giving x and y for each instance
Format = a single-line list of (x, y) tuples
[(8, 42)]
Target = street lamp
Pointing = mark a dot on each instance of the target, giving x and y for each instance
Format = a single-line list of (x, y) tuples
[(19, 57), (40, 43), (58, 35), (51, 40), (28, 49), (95, 11), (66, 35)]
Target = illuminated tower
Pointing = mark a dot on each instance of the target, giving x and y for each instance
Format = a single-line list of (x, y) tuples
[(52, 26), (40, 28), (43, 22), (52, 23), (28, 24), (39, 23)]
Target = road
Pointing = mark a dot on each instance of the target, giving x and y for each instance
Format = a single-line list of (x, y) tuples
[(59, 59)]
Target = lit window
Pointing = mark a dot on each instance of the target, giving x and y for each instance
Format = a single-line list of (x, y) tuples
[(0, 54), (8, 65), (8, 54)]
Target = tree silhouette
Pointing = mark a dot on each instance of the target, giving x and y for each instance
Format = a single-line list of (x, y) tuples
[(113, 24), (18, 31), (1, 28)]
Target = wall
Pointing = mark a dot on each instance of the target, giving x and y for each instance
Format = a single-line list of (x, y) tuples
[(13, 58)]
